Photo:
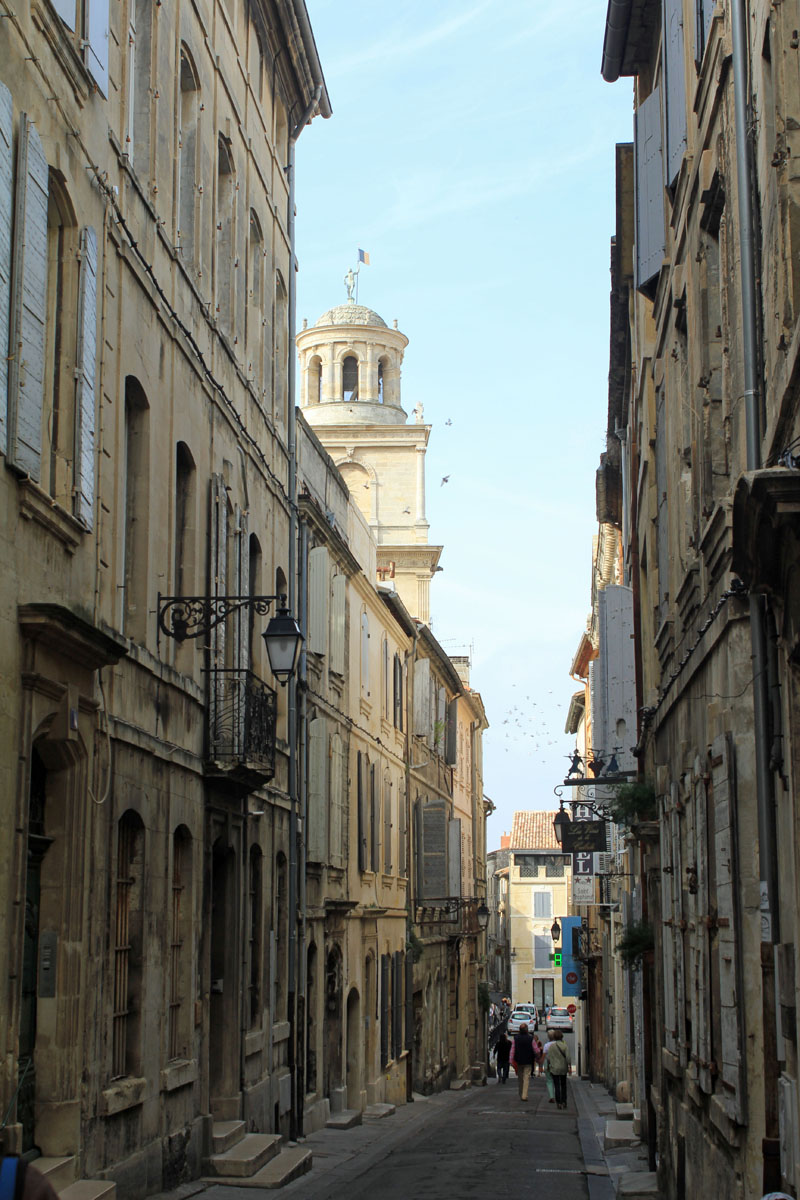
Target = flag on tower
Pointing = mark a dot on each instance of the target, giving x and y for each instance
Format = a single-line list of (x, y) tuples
[(363, 257)]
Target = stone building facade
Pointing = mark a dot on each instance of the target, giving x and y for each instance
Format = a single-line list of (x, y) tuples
[(700, 478)]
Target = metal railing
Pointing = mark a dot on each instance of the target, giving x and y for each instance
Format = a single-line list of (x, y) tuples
[(242, 714)]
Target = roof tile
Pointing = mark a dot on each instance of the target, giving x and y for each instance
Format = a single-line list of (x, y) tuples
[(533, 831)]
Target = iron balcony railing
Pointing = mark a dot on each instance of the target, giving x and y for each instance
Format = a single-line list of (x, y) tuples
[(241, 721)]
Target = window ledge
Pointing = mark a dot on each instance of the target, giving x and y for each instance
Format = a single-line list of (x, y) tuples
[(254, 1042), (178, 1074), (128, 1093), (280, 1031), (36, 505)]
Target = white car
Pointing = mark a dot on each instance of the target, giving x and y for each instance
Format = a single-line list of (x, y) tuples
[(520, 1017), (532, 1012), (559, 1018)]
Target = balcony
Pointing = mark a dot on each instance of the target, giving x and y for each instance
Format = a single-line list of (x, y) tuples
[(240, 742)]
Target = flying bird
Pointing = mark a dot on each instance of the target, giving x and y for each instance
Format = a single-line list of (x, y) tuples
[(444, 480), (448, 421)]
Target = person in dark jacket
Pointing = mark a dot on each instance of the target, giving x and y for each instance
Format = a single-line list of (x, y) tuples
[(502, 1053), (523, 1060)]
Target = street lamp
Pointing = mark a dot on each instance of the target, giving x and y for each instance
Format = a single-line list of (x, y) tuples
[(555, 931), (483, 914), (283, 640), (561, 824)]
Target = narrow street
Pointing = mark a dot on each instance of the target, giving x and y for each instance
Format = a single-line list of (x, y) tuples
[(458, 1145)]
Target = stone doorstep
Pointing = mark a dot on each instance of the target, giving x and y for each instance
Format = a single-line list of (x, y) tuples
[(619, 1133), (247, 1157), (378, 1111), (290, 1164), (345, 1119), (225, 1134), (638, 1185), (458, 1085), (89, 1189), (624, 1111), (58, 1171)]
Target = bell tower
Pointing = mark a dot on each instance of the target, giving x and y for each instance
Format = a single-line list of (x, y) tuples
[(350, 380)]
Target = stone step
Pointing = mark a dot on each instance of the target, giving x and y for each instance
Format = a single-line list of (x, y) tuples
[(378, 1111), (291, 1163), (89, 1189), (225, 1134), (619, 1133), (245, 1158), (638, 1185), (345, 1119), (59, 1172), (459, 1084), (624, 1111)]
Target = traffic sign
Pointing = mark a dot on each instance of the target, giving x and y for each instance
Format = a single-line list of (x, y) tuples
[(571, 977), (572, 1009)]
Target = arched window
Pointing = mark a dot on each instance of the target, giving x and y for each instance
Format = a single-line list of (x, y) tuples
[(188, 144), (137, 507), (179, 1024), (255, 937), (226, 234), (254, 329), (350, 378), (128, 945), (281, 355), (185, 476), (381, 394), (254, 575)]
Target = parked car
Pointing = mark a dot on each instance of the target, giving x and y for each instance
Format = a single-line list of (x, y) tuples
[(520, 1017), (559, 1018), (532, 1011)]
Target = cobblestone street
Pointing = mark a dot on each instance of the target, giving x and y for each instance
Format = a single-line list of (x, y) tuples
[(463, 1144)]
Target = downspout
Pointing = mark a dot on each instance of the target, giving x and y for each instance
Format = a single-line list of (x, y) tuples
[(410, 892), (767, 839), (291, 419), (302, 844)]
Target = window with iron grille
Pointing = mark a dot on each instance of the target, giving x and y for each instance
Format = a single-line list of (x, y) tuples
[(180, 942), (528, 866), (126, 1021), (554, 866)]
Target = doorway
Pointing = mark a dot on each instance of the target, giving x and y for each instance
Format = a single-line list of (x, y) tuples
[(223, 1007), (355, 1044)]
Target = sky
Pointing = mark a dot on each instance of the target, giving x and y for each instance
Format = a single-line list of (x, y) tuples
[(471, 154)]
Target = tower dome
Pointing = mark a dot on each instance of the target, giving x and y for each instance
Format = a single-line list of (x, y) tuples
[(350, 365)]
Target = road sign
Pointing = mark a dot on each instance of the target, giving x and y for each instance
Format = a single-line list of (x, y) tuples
[(582, 889), (571, 978), (572, 1009)]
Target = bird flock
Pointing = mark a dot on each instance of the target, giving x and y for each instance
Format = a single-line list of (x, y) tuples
[(528, 724)]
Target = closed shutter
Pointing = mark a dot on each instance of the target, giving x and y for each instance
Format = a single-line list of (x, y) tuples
[(422, 696), (398, 693), (217, 560), (704, 12), (397, 1004), (244, 615), (454, 857), (318, 589), (542, 904), (434, 850), (28, 304), (97, 39), (318, 790), (437, 733), (86, 367), (385, 1009), (363, 820), (542, 949), (402, 832), (387, 824), (338, 812), (451, 735), (650, 243), (409, 1006), (337, 623), (699, 907), (662, 509), (675, 90), (731, 999), (6, 209), (374, 820)]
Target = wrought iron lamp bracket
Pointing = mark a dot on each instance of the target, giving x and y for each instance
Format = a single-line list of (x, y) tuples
[(184, 617)]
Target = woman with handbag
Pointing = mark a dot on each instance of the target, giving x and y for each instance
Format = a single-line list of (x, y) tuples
[(558, 1062), (523, 1060)]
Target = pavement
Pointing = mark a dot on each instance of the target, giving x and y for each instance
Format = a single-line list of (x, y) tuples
[(455, 1145)]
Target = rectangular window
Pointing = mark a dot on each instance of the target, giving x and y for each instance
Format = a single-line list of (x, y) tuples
[(542, 949), (542, 904), (528, 866)]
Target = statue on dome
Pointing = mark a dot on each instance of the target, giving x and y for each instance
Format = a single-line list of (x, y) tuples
[(350, 284)]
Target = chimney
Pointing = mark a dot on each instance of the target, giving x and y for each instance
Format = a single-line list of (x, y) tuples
[(505, 841)]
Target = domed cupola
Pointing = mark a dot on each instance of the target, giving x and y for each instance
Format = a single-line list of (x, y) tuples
[(350, 365)]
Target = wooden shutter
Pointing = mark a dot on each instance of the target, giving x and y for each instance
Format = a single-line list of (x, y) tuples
[(244, 615), (422, 696), (674, 91), (409, 973), (318, 591), (363, 820), (402, 832), (66, 11), (318, 790), (650, 242), (385, 961), (438, 732), (387, 824), (397, 1004), (704, 11), (337, 623), (542, 949), (434, 850), (96, 27), (217, 566), (338, 814), (451, 734), (398, 693), (374, 820), (668, 940), (6, 211), (662, 509), (365, 654), (454, 857), (85, 390), (28, 304), (726, 861)]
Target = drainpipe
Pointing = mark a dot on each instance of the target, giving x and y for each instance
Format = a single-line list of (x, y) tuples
[(302, 844), (767, 839), (410, 892), (293, 531)]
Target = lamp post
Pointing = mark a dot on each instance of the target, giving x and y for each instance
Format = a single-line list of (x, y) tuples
[(561, 823), (555, 931)]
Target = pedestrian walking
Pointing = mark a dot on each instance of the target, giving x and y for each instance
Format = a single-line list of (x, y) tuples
[(548, 1078), (502, 1052), (558, 1061), (538, 1055), (523, 1060)]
